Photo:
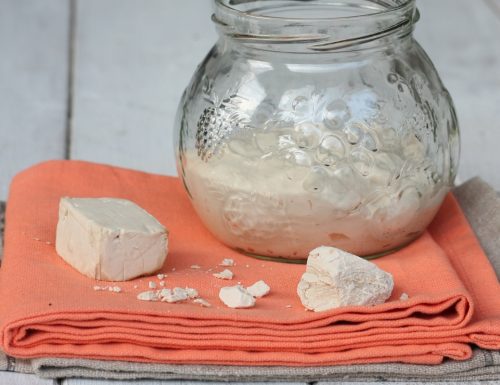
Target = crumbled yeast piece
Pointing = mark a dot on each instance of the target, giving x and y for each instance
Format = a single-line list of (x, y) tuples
[(195, 267), (162, 283), (227, 262), (165, 293), (236, 297), (259, 289), (160, 276), (178, 294), (335, 278), (191, 293), (152, 285), (404, 297), (115, 289), (202, 302), (224, 274), (149, 295)]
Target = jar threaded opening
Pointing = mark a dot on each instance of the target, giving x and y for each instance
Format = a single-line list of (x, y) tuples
[(321, 25)]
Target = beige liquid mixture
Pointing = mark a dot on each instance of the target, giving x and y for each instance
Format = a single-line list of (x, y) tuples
[(269, 206)]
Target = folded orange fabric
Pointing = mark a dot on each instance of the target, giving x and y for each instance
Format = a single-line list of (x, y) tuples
[(49, 309)]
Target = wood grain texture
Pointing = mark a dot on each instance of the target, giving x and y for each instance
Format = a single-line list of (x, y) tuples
[(409, 383), (78, 381), (33, 78), (494, 6), (133, 60), (10, 378), (461, 37)]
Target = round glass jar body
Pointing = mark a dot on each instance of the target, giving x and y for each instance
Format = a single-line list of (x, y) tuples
[(316, 123)]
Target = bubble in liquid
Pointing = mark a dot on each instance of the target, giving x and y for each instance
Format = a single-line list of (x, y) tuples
[(306, 135), (243, 148), (409, 200), (296, 174), (299, 103), (385, 168), (413, 148), (343, 190), (353, 133), (388, 136), (285, 141), (368, 141), (267, 141), (392, 78), (263, 114), (393, 213), (330, 150), (316, 180), (380, 177), (336, 113), (298, 157), (362, 161)]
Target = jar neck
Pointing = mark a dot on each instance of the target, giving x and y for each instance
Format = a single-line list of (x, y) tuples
[(315, 26)]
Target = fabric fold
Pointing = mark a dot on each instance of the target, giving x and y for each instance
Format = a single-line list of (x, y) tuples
[(50, 309)]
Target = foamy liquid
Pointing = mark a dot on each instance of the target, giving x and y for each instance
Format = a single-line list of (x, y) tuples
[(271, 208)]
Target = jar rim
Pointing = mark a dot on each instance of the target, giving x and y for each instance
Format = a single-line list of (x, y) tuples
[(225, 5), (256, 22)]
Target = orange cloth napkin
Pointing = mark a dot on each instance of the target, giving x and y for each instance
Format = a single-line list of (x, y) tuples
[(49, 309)]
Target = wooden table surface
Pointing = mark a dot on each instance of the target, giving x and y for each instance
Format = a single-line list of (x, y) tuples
[(100, 80)]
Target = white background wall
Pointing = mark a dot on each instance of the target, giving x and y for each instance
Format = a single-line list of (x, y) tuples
[(100, 79)]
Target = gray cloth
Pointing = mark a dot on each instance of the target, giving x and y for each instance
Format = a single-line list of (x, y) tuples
[(482, 208), (484, 365)]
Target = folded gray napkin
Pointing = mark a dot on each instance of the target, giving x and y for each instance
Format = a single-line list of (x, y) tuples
[(484, 365), (481, 205)]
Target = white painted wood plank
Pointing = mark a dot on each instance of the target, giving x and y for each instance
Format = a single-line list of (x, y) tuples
[(10, 378), (461, 37), (81, 381), (33, 79), (133, 60), (76, 381), (494, 6), (409, 383)]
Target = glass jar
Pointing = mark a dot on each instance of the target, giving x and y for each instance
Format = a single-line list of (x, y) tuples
[(312, 122)]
